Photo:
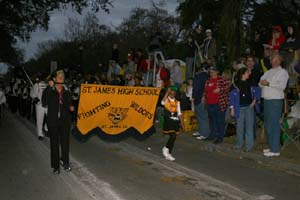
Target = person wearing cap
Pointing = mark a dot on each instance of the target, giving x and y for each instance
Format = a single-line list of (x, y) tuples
[(277, 39), (36, 94), (209, 46), (216, 97), (200, 107), (172, 120), (273, 84), (57, 98)]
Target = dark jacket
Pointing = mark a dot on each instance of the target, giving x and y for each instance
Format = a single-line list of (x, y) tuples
[(198, 86), (50, 100), (254, 77)]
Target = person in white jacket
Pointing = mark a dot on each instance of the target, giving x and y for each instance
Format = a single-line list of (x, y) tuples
[(273, 84), (36, 94)]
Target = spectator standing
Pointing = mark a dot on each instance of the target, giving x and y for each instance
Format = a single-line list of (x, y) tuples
[(113, 69), (216, 97), (191, 49), (253, 80), (255, 73), (242, 99), (264, 62), (176, 74), (209, 46), (200, 106), (277, 39), (273, 84), (162, 76)]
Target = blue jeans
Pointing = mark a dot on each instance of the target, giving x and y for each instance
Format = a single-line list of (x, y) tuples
[(202, 119), (216, 122), (245, 128), (272, 113)]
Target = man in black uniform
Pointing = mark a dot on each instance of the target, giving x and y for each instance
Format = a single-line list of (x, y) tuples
[(57, 98)]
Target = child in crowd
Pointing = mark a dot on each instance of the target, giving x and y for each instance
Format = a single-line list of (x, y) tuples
[(186, 103), (172, 120)]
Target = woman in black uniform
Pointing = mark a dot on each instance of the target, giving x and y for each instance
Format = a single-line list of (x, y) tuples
[(57, 98)]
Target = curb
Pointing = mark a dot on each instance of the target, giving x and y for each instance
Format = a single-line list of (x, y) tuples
[(277, 163)]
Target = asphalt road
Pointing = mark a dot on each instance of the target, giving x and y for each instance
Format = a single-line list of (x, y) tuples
[(133, 170)]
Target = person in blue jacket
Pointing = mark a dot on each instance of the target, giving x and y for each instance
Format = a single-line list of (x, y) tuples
[(242, 100)]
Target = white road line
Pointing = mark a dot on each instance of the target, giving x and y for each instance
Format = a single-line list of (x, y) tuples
[(86, 180)]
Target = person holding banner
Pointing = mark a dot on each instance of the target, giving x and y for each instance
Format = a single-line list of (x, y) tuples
[(57, 98), (172, 120)]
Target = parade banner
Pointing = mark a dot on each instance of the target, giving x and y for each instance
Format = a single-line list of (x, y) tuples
[(115, 109)]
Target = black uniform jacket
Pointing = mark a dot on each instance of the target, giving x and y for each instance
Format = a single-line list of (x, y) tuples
[(57, 111)]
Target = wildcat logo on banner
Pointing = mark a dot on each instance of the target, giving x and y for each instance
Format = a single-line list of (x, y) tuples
[(114, 109)]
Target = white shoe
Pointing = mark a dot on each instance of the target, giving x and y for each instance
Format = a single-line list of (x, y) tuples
[(170, 157), (266, 150), (271, 154), (200, 137), (196, 134), (165, 152)]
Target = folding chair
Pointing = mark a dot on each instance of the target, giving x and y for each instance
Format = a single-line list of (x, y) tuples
[(290, 136)]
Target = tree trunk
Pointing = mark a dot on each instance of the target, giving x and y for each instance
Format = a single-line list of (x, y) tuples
[(230, 29)]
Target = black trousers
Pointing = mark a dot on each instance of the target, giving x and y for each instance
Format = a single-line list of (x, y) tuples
[(171, 141), (59, 137)]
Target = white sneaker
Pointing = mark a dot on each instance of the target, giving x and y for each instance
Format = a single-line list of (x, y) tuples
[(196, 134), (200, 137), (271, 154), (165, 152), (266, 150), (170, 157)]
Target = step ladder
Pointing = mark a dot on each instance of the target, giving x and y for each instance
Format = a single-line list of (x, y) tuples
[(156, 57)]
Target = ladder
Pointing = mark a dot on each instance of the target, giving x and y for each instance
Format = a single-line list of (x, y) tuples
[(156, 57)]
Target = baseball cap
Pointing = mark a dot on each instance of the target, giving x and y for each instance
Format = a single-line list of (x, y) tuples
[(208, 31)]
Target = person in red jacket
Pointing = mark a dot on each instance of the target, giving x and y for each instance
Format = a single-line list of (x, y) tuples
[(215, 96), (162, 76), (277, 38)]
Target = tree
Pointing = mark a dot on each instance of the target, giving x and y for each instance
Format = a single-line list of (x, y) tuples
[(204, 12), (84, 44), (235, 21), (230, 29), (137, 30), (19, 18)]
